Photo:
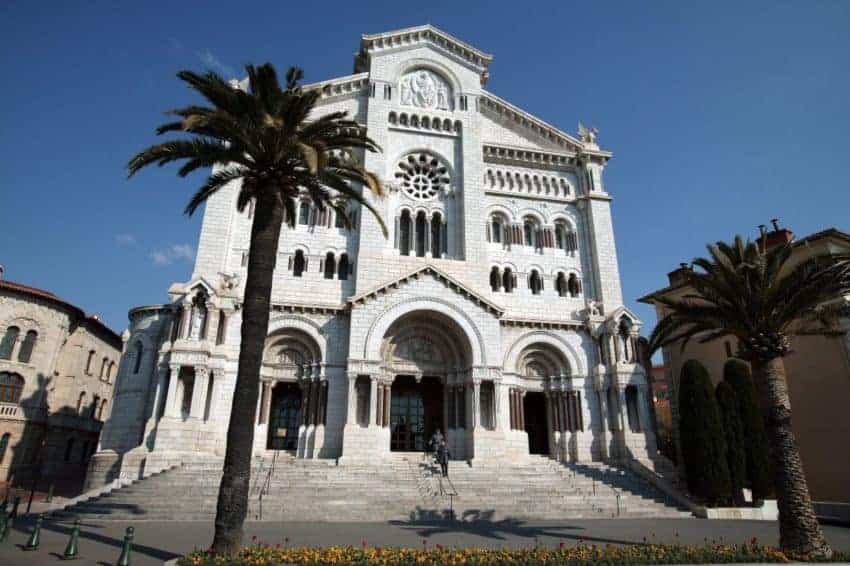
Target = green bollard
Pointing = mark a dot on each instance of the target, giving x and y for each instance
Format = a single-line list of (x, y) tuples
[(49, 494), (71, 550), (35, 537), (124, 559)]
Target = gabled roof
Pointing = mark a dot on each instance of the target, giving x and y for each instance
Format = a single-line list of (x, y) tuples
[(620, 311), (442, 41), (450, 282)]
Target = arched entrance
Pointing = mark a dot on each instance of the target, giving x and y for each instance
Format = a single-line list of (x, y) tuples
[(545, 372), (426, 354), (292, 395)]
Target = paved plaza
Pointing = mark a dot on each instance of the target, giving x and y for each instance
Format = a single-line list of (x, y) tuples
[(159, 541)]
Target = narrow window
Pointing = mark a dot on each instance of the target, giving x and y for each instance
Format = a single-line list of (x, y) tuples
[(304, 213), (27, 347), (8, 343), (90, 361), (421, 230), (103, 365), (139, 349), (404, 233), (561, 285), (632, 408), (110, 373), (508, 281), (222, 327), (496, 230), (436, 235), (339, 219), (330, 265), (344, 267), (299, 264), (574, 285), (101, 410), (80, 400), (4, 445), (495, 279), (560, 237), (11, 387), (535, 283)]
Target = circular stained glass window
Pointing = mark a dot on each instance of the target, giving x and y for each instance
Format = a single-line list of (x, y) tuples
[(422, 176)]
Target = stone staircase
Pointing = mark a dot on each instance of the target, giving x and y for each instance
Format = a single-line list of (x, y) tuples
[(408, 487)]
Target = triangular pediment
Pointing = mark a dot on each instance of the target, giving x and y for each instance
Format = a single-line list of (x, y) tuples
[(508, 125), (619, 312), (417, 274)]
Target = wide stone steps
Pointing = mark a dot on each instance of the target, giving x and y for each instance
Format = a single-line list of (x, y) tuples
[(405, 488)]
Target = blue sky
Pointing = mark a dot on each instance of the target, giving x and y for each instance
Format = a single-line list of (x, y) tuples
[(721, 115)]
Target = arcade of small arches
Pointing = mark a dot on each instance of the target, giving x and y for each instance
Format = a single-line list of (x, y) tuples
[(422, 229), (504, 280), (18, 345), (331, 265), (421, 122), (531, 233), (527, 183), (309, 215)]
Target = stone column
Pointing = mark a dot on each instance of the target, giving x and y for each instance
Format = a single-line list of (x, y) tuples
[(267, 402), (379, 405), (445, 420), (199, 392), (172, 407), (476, 404), (387, 398), (351, 413), (373, 399), (522, 410), (623, 408)]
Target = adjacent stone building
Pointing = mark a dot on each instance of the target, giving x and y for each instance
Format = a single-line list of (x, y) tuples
[(493, 311), (57, 370), (818, 373)]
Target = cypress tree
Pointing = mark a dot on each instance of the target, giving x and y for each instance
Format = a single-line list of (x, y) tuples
[(737, 374), (733, 433), (703, 446)]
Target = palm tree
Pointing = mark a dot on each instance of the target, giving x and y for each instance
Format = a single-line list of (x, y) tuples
[(266, 137), (759, 297)]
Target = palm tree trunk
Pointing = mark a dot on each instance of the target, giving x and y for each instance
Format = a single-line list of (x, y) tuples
[(799, 531), (233, 493)]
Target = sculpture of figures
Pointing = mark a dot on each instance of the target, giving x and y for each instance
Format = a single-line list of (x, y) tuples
[(587, 135), (229, 281), (424, 89), (442, 98), (594, 308)]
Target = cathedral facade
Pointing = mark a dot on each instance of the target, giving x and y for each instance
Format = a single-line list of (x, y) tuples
[(492, 312)]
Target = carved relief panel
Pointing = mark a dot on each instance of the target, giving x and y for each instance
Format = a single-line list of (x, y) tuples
[(425, 89)]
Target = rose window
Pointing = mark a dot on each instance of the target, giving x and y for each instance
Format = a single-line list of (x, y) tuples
[(422, 176)]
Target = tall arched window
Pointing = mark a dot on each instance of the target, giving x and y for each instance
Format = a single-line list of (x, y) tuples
[(508, 280), (339, 220), (330, 265), (528, 232), (497, 230), (632, 408), (561, 285), (574, 285), (101, 409), (299, 264), (110, 372), (495, 279), (304, 213), (560, 236), (27, 347), (436, 235), (344, 267), (80, 402), (138, 349), (90, 361), (404, 232), (8, 343), (222, 327), (535, 282), (11, 387), (95, 402), (421, 233), (104, 363)]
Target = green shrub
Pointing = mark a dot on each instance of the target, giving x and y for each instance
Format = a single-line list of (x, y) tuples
[(733, 433), (737, 374), (701, 434)]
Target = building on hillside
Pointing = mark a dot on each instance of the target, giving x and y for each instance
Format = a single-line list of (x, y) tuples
[(493, 311), (57, 370), (818, 372)]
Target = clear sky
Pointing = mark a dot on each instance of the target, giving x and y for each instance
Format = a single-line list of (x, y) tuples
[(721, 115)]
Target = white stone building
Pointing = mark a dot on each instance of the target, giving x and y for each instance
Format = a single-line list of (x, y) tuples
[(493, 311)]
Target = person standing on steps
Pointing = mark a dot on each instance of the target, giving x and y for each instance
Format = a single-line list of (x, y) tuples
[(443, 456)]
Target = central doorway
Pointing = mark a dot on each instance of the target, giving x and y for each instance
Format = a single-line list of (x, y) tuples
[(534, 405), (285, 417), (416, 411)]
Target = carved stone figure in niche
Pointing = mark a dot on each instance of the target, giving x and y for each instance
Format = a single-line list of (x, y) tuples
[(425, 89)]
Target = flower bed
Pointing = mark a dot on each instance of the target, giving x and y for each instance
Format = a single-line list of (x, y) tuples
[(264, 555)]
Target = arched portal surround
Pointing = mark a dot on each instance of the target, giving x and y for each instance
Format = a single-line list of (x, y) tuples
[(294, 396)]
